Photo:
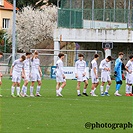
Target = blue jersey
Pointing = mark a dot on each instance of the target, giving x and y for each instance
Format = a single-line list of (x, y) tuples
[(118, 69)]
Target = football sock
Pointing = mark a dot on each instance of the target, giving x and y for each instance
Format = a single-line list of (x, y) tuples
[(60, 89), (25, 90), (107, 88), (12, 90), (38, 89), (92, 91), (118, 86), (130, 89), (18, 90), (84, 91), (31, 90), (101, 89), (127, 89), (78, 91)]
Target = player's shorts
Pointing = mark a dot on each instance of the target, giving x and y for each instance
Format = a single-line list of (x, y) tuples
[(27, 76), (105, 77), (81, 78), (35, 76), (16, 77), (60, 79), (94, 80), (129, 79)]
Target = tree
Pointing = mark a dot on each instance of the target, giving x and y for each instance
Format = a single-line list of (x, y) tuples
[(34, 26)]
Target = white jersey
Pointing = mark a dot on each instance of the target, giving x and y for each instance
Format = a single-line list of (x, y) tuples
[(17, 66), (104, 64), (80, 67), (35, 63), (94, 65), (27, 63), (59, 67), (130, 65)]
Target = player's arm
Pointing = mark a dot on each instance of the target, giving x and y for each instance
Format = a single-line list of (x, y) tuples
[(116, 67), (102, 66), (84, 70), (95, 72), (76, 70), (126, 67), (11, 70), (23, 73), (40, 71)]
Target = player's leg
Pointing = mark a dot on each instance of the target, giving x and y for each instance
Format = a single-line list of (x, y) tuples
[(118, 85), (108, 85), (101, 88), (25, 87), (78, 88), (85, 87), (14, 82), (38, 88), (32, 88), (57, 87), (18, 89), (62, 86)]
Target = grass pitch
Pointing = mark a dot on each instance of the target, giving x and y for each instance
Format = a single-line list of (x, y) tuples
[(67, 114)]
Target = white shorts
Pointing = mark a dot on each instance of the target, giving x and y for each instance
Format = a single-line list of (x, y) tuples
[(81, 78), (27, 76), (105, 77), (93, 78), (129, 79), (16, 77), (35, 76), (60, 79)]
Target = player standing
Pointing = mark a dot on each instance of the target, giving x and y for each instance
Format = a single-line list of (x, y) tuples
[(80, 74), (1, 55), (36, 75), (118, 73), (94, 75), (105, 75), (60, 77), (129, 76), (15, 72), (27, 65)]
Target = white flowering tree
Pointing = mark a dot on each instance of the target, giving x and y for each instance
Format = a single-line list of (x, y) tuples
[(33, 26)]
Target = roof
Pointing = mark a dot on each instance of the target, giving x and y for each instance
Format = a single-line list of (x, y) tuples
[(7, 6)]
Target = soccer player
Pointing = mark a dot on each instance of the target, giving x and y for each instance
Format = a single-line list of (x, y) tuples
[(80, 74), (36, 74), (15, 72), (129, 76), (118, 73), (60, 77), (94, 75), (27, 65), (1, 55), (105, 75)]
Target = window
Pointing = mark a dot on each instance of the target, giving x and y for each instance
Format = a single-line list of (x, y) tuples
[(6, 23)]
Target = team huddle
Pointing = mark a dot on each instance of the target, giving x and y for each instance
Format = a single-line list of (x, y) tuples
[(28, 68), (80, 74)]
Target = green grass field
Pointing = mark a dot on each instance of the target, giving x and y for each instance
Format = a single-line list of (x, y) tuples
[(67, 114)]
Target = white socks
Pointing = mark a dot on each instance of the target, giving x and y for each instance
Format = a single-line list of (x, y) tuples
[(127, 89), (107, 88), (38, 89), (78, 92), (31, 90), (101, 89), (84, 91), (12, 90)]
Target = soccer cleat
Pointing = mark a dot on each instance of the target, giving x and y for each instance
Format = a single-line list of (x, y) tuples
[(12, 95), (79, 95), (59, 94), (26, 95), (85, 94), (102, 94), (18, 96), (106, 93), (127, 94), (38, 95), (94, 95), (130, 94), (21, 94), (31, 95), (0, 95), (117, 94)]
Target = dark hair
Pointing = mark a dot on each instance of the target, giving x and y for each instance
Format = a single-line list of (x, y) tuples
[(1, 53), (80, 55), (23, 57), (121, 53), (109, 58), (96, 55), (36, 53), (131, 56), (60, 55), (28, 53)]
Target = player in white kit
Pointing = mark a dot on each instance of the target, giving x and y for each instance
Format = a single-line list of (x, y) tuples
[(36, 75), (94, 75), (27, 68), (16, 71), (1, 55), (129, 76), (80, 74), (105, 75), (60, 77)]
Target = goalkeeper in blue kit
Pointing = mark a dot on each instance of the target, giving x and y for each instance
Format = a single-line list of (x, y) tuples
[(118, 73)]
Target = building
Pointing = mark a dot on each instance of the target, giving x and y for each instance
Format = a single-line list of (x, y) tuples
[(6, 14)]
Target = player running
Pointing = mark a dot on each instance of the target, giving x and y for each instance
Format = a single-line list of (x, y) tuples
[(129, 76), (118, 73), (94, 75), (105, 75), (60, 77), (16, 72), (36, 75), (1, 55), (80, 74), (27, 65)]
